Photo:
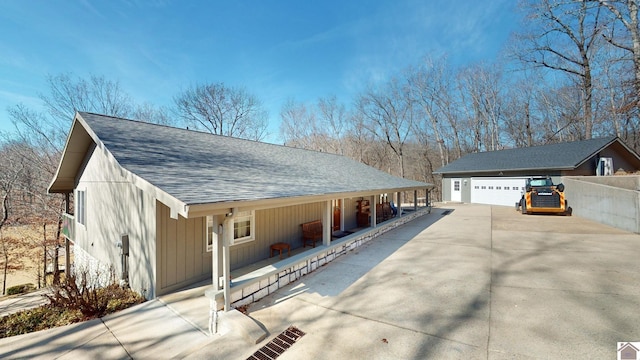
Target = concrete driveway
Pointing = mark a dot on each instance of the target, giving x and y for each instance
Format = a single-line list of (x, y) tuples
[(479, 283)]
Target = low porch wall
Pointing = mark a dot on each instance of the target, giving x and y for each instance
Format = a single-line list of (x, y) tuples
[(254, 286)]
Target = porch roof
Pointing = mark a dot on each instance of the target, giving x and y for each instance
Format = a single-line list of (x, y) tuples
[(201, 168)]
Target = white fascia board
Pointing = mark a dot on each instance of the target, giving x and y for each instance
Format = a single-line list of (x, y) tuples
[(198, 210), (64, 151)]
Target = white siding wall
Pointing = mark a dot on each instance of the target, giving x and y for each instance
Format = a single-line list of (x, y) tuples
[(115, 207)]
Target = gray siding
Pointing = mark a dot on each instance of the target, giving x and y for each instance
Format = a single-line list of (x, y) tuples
[(446, 189), (115, 207), (272, 226), (182, 255)]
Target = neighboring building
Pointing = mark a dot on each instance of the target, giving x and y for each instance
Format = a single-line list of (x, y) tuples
[(497, 177), (165, 207)]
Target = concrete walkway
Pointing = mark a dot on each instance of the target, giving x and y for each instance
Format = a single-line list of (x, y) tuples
[(479, 283), (13, 304)]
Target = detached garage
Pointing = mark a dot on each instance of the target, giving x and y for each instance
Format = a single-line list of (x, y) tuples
[(498, 177)]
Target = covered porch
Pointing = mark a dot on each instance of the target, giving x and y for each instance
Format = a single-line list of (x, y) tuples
[(240, 286)]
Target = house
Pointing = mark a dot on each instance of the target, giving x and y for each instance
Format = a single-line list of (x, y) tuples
[(163, 208), (498, 177)]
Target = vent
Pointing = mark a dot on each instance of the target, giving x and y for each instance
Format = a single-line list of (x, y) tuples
[(278, 345)]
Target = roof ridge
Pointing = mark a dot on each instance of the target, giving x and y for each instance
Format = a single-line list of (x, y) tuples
[(197, 131)]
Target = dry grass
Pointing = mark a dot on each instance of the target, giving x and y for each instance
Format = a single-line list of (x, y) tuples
[(27, 255)]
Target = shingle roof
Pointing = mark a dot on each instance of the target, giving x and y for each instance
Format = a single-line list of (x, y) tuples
[(200, 168), (561, 156)]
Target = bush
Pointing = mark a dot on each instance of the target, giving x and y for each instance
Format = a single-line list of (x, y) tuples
[(71, 301), (20, 289), (40, 318), (92, 301)]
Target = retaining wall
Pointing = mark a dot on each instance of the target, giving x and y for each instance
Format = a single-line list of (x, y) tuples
[(611, 200)]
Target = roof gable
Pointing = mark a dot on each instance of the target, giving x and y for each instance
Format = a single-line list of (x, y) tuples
[(200, 168), (560, 156)]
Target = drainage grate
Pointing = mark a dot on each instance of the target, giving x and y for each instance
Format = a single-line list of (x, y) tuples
[(446, 212), (278, 345)]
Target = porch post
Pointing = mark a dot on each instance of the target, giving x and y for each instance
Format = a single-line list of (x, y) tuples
[(326, 222), (415, 200), (399, 196), (427, 192), (374, 210), (227, 233), (216, 253), (342, 215), (67, 258)]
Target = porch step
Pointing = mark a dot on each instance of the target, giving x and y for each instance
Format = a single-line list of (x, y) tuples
[(238, 323)]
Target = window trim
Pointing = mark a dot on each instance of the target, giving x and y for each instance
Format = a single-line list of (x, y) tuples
[(211, 224), (241, 217)]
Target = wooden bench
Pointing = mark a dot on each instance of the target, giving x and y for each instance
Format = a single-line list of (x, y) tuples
[(311, 232)]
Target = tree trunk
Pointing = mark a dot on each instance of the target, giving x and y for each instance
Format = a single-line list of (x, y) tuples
[(6, 267), (44, 256)]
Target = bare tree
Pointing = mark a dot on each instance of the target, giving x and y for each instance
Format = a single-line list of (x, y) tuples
[(564, 36), (150, 113), (322, 127), (299, 127), (429, 88), (623, 32), (389, 114), (223, 110), (480, 88)]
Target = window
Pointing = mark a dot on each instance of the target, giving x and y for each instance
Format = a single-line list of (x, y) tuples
[(456, 185), (477, 187), (484, 187), (506, 188), (490, 187), (210, 233), (515, 188), (81, 207), (498, 187), (243, 227)]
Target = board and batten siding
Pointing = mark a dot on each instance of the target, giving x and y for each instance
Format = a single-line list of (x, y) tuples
[(182, 255), (114, 208), (283, 225), (272, 226)]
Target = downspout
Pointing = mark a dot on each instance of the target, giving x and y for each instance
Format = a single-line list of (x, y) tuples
[(67, 259)]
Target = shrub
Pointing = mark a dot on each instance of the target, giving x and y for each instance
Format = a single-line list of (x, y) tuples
[(40, 318), (20, 289), (92, 301), (71, 301)]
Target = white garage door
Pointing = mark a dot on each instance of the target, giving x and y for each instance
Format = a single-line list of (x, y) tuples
[(497, 191)]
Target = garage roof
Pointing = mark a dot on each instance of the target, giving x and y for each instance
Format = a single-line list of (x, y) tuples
[(561, 156), (201, 168)]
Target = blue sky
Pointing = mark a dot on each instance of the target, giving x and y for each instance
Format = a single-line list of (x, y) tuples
[(276, 49)]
